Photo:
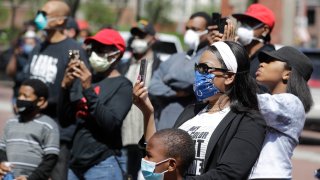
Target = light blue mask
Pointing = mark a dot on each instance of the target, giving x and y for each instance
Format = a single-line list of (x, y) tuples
[(203, 86), (41, 21), (27, 48), (148, 167)]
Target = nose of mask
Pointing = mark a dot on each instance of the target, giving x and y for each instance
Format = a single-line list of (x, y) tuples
[(139, 46), (27, 48), (245, 35), (191, 39)]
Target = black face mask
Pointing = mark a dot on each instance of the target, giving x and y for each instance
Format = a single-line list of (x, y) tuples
[(26, 107)]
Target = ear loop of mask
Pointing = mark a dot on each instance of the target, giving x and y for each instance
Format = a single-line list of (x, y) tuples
[(163, 162), (256, 27)]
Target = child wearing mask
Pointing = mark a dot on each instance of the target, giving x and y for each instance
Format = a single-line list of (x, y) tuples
[(30, 141), (168, 155)]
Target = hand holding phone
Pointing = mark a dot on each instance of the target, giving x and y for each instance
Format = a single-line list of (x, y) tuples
[(218, 21), (143, 70), (74, 54)]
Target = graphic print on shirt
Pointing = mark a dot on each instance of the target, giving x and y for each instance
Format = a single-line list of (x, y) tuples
[(199, 138), (200, 128), (44, 67)]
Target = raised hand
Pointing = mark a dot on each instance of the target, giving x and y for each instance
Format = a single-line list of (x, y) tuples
[(228, 35), (83, 73), (229, 31), (141, 98), (68, 77)]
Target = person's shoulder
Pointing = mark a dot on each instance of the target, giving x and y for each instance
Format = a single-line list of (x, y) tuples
[(251, 115), (175, 56), (71, 43), (284, 98), (12, 120), (46, 120), (268, 47)]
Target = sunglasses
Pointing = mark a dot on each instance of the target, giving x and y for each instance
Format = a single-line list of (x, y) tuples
[(204, 68)]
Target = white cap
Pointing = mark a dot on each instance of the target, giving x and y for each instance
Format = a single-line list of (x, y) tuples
[(8, 164), (30, 34)]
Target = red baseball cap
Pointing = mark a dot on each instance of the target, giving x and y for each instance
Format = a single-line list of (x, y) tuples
[(108, 37), (258, 12)]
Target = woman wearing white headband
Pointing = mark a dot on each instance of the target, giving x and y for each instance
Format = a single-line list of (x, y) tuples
[(225, 125)]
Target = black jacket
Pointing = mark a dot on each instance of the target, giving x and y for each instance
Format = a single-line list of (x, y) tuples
[(99, 121), (233, 147)]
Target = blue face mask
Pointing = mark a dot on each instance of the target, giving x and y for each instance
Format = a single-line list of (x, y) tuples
[(203, 86), (148, 167), (41, 21), (27, 48)]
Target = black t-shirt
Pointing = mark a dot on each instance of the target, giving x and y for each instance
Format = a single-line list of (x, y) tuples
[(48, 63)]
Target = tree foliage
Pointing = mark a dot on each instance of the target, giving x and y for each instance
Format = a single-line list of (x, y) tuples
[(99, 13), (157, 11)]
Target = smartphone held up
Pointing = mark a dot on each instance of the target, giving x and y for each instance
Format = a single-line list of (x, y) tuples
[(219, 21), (74, 54), (143, 70)]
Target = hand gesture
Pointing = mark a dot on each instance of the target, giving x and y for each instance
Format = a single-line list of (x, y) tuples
[(141, 98), (4, 168), (68, 77), (229, 33), (83, 73)]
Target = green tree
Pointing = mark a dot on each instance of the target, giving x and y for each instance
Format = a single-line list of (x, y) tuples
[(74, 5), (158, 10), (99, 13)]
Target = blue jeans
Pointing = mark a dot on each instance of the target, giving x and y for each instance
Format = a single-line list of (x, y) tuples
[(106, 169)]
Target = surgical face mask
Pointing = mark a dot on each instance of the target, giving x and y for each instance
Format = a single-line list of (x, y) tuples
[(41, 21), (26, 107), (203, 86), (101, 64), (139, 46), (27, 48), (148, 167), (192, 38), (246, 34)]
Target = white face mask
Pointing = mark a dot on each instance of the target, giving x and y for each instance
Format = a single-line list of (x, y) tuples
[(246, 35), (192, 38), (101, 64), (139, 46)]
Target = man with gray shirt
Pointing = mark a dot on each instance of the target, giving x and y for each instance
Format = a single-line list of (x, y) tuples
[(171, 87)]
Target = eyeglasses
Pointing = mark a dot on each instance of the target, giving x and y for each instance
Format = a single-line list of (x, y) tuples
[(204, 68)]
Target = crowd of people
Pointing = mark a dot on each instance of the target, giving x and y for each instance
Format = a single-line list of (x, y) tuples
[(230, 107)]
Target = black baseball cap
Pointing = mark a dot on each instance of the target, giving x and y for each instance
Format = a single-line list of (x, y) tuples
[(143, 28), (72, 24), (293, 57)]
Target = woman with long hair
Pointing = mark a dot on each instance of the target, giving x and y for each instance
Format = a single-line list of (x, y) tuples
[(226, 125), (285, 73)]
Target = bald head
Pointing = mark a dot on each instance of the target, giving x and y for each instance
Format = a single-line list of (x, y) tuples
[(56, 8)]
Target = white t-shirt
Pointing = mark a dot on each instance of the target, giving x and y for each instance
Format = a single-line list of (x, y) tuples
[(200, 129), (284, 115)]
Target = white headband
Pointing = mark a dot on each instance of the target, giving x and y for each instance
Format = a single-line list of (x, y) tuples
[(227, 56)]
